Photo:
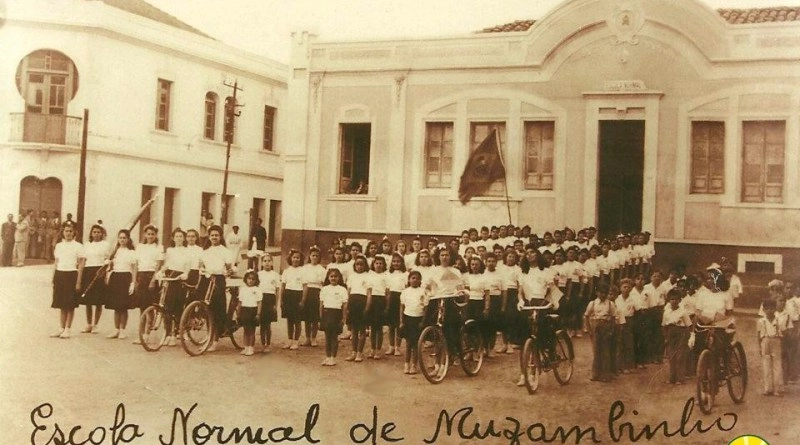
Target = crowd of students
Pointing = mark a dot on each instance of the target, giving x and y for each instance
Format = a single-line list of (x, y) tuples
[(607, 288)]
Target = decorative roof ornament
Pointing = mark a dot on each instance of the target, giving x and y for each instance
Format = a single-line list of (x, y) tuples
[(625, 21)]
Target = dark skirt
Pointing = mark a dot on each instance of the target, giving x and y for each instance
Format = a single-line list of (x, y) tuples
[(247, 317), (412, 328), (393, 310), (331, 321), (143, 297), (356, 318), (377, 311), (515, 325), (217, 303), (174, 301), (290, 306), (96, 294), (475, 310), (117, 294), (495, 311), (192, 283), (311, 308), (269, 313), (64, 295)]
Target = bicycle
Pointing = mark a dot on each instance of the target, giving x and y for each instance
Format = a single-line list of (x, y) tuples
[(153, 321), (197, 322), (536, 356), (433, 353), (713, 368)]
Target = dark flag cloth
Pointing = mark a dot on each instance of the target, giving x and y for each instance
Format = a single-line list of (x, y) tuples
[(485, 166)]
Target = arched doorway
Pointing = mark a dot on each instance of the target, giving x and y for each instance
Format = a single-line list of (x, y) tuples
[(40, 195)]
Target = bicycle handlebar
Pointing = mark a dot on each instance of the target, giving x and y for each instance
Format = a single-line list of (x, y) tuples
[(536, 308)]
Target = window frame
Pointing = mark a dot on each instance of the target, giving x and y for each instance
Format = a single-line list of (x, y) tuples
[(210, 116), (340, 177), (441, 164), (540, 174), (163, 104), (268, 143), (708, 158), (763, 184)]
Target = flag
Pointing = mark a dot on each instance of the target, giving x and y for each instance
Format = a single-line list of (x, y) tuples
[(485, 166)]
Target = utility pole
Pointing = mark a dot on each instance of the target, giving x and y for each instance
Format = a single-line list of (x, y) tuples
[(82, 177), (230, 122)]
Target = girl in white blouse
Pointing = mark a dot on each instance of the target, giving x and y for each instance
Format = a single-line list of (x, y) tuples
[(376, 310), (291, 298), (193, 252), (66, 279), (176, 265), (398, 280), (216, 263), (149, 256), (313, 276), (269, 281), (332, 307), (249, 310), (359, 285), (96, 252), (120, 282)]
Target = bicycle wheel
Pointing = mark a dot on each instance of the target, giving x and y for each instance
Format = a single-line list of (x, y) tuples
[(196, 328), (531, 365), (705, 376), (152, 328), (471, 349), (237, 336), (562, 362), (432, 354), (737, 373)]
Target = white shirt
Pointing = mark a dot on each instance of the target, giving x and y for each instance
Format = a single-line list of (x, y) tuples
[(625, 306), (511, 275), (148, 256), (413, 301), (639, 299), (249, 296), (293, 278), (476, 285), (177, 258), (380, 282), (443, 281), (96, 253), (124, 259), (314, 275), (333, 297), (398, 281), (409, 259), (194, 252), (494, 282), (735, 288), (591, 268), (215, 259), (678, 317), (67, 254), (711, 305), (653, 295), (359, 283), (600, 310), (268, 281), (534, 284), (344, 268)]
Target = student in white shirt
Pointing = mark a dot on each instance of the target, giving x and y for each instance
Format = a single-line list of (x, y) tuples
[(625, 359), (514, 327), (412, 308), (376, 309), (249, 310), (642, 342), (120, 281), (69, 259), (217, 264), (359, 286), (770, 340), (149, 256), (494, 283), (398, 280), (176, 264), (313, 277), (269, 282), (600, 317), (291, 298), (96, 253), (193, 252), (332, 307), (676, 323), (234, 243), (655, 293)]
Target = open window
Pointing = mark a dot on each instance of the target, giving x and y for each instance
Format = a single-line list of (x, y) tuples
[(355, 141)]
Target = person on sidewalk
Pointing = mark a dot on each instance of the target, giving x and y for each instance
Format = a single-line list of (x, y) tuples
[(8, 230), (770, 332), (21, 240)]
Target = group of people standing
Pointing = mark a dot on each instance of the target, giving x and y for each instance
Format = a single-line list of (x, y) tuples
[(31, 236)]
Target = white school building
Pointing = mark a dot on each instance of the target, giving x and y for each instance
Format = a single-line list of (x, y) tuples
[(154, 89), (627, 115)]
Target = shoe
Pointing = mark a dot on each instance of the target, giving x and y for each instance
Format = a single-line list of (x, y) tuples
[(248, 351), (307, 342), (332, 361), (351, 357), (359, 357), (578, 334), (396, 352), (325, 362), (294, 346), (267, 349), (370, 355), (521, 381), (314, 343), (122, 336), (286, 345), (57, 334), (212, 347), (87, 329), (499, 349), (778, 394), (136, 341), (378, 355), (413, 369), (114, 334), (243, 351), (95, 329), (766, 393), (171, 341), (509, 349), (65, 334), (390, 351)]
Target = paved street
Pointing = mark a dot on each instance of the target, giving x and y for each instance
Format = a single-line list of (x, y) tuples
[(86, 377)]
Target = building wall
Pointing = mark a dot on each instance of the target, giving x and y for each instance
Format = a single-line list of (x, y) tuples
[(119, 58)]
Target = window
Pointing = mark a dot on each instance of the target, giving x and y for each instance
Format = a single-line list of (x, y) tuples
[(47, 80), (269, 128), (539, 148), (354, 168), (162, 104), (708, 157), (762, 166), (210, 125), (438, 154), (479, 132)]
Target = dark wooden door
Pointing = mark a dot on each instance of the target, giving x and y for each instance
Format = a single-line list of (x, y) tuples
[(621, 177)]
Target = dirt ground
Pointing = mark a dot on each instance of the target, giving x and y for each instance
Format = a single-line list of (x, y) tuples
[(86, 378)]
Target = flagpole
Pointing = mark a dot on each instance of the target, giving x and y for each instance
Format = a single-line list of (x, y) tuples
[(505, 174)]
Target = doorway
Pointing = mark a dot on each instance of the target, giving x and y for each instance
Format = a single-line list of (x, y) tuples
[(621, 176), (40, 195)]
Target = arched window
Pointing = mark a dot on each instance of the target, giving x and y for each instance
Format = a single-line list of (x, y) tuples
[(47, 80), (40, 195), (210, 116)]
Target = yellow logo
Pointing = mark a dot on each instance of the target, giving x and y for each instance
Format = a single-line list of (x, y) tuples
[(748, 440)]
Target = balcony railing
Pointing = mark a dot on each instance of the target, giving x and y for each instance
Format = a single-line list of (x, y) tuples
[(45, 129)]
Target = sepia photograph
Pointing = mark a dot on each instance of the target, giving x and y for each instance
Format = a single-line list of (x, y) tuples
[(416, 222)]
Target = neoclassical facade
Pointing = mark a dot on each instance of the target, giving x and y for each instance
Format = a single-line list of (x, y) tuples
[(663, 116), (154, 89)]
